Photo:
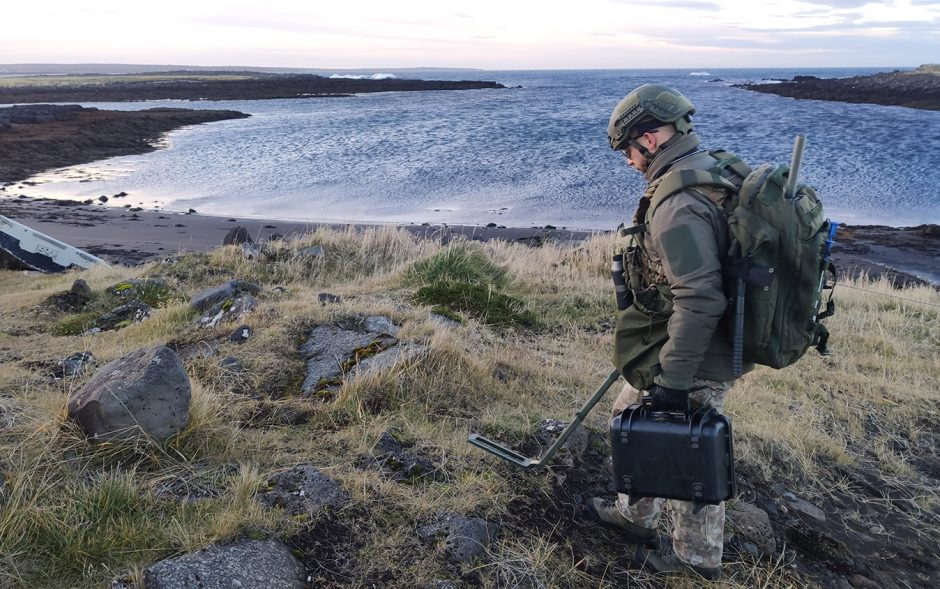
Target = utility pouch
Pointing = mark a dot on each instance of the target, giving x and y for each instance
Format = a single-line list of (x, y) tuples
[(640, 334), (684, 456)]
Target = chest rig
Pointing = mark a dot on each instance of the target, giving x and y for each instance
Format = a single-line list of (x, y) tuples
[(641, 269)]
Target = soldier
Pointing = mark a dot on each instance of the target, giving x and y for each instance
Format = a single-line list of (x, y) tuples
[(681, 248)]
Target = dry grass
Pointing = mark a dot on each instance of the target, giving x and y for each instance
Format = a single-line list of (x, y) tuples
[(870, 407)]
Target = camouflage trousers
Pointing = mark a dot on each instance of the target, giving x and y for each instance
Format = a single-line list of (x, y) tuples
[(697, 537)]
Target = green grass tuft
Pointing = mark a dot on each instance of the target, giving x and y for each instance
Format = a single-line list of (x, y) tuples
[(458, 262), (481, 302)]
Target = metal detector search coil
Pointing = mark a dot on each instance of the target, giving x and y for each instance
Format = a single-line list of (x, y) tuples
[(521, 461)]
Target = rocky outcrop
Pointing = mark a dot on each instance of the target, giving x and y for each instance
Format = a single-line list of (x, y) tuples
[(146, 392), (246, 564), (917, 89)]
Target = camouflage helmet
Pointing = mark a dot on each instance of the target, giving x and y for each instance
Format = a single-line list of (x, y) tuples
[(649, 102)]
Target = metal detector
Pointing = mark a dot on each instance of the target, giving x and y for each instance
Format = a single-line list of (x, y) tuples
[(521, 461)]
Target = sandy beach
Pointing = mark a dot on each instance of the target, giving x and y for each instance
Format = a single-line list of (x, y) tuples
[(122, 235), (125, 236)]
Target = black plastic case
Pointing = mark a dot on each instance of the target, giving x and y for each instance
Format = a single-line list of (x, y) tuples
[(673, 455)]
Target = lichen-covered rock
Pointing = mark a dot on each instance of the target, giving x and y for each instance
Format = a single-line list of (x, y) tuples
[(136, 286), (146, 391), (229, 310), (132, 312), (330, 351), (217, 294), (246, 564), (303, 489), (76, 364)]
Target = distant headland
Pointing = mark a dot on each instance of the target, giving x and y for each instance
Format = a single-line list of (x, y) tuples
[(208, 85), (919, 88)]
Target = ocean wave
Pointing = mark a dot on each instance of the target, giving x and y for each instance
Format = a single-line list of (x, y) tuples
[(700, 73), (364, 77)]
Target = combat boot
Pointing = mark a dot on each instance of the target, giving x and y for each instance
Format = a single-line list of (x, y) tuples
[(607, 513), (665, 560)]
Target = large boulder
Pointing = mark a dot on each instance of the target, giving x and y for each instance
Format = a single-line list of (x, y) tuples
[(247, 564), (146, 391)]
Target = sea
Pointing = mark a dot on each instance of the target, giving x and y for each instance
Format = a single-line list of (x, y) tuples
[(531, 155)]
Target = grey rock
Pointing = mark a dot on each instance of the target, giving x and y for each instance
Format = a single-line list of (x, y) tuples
[(280, 290), (252, 250), (217, 294), (229, 310), (73, 300), (237, 236), (803, 506), (303, 489), (145, 391), (247, 564), (81, 289), (547, 432), (77, 363), (312, 252), (460, 539), (328, 351), (132, 312), (753, 524), (444, 585), (190, 351), (751, 549), (231, 364), (241, 334), (388, 358), (379, 324), (325, 297), (399, 464)]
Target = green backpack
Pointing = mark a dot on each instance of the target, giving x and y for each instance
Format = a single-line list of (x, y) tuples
[(778, 262)]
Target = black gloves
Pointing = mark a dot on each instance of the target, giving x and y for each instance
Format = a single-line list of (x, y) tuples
[(666, 399)]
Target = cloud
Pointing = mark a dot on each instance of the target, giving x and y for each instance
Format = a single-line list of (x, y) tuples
[(684, 4)]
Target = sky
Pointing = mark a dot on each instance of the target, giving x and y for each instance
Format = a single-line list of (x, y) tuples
[(488, 34)]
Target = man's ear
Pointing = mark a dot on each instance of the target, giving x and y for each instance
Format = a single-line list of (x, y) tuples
[(652, 140)]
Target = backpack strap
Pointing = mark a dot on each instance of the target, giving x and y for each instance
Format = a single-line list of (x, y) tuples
[(727, 160), (679, 180)]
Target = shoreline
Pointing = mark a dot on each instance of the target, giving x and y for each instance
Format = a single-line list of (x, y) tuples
[(131, 236)]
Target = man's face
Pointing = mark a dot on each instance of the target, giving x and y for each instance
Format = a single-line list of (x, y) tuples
[(634, 159)]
